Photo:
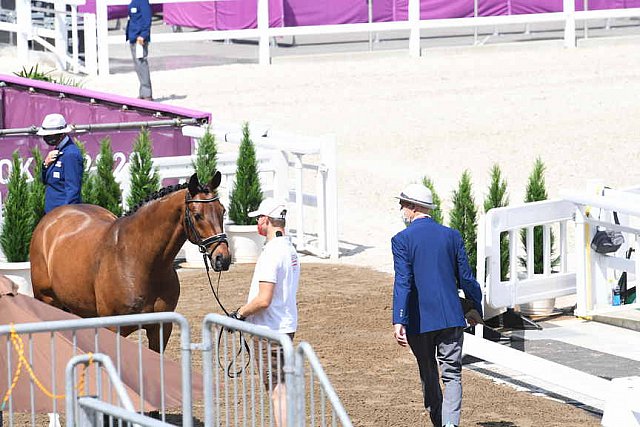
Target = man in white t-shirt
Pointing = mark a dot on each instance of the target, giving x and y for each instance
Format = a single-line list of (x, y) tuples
[(272, 297)]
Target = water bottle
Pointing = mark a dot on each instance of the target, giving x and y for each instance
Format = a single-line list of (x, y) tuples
[(615, 300)]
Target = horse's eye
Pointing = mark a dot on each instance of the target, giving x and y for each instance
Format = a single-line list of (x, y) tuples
[(197, 216)]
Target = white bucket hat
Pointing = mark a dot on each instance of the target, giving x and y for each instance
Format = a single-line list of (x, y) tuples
[(54, 124), (272, 208), (417, 194)]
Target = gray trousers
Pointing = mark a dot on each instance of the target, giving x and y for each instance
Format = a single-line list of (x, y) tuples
[(447, 345), (142, 70)]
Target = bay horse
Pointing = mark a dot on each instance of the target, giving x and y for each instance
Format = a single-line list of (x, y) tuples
[(87, 261)]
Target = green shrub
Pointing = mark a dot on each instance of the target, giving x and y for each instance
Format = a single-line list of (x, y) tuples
[(436, 212), (497, 197), (102, 188), (206, 157), (18, 216), (88, 177), (37, 187), (34, 73), (536, 191), (145, 179), (463, 217), (246, 194)]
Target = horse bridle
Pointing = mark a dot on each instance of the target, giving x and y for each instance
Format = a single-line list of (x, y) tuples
[(203, 244)]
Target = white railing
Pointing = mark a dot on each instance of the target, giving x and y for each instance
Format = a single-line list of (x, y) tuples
[(26, 31), (569, 16), (315, 212), (590, 276), (597, 273), (524, 284)]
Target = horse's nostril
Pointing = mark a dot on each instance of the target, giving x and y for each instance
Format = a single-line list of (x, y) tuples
[(218, 263)]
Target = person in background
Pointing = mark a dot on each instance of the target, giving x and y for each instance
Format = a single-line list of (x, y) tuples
[(139, 35), (430, 264), (62, 166), (272, 297)]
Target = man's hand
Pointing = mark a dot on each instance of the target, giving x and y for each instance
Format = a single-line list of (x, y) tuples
[(140, 40), (51, 157), (236, 315), (400, 334), (473, 317)]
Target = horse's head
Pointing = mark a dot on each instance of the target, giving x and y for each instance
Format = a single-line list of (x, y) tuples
[(203, 217)]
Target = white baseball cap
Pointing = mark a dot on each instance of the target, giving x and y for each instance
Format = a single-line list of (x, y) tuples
[(54, 124), (417, 194), (272, 208)]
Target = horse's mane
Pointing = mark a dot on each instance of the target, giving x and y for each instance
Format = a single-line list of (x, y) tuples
[(165, 191)]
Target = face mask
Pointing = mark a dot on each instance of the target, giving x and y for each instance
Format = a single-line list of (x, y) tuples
[(405, 219), (51, 140)]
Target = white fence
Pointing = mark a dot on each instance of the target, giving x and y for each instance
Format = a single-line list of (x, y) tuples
[(578, 269), (27, 30), (299, 170), (572, 267), (96, 31)]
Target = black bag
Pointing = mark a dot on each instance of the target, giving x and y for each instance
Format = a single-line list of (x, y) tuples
[(607, 241)]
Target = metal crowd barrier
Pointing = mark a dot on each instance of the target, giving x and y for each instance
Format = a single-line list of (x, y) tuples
[(20, 344), (240, 384)]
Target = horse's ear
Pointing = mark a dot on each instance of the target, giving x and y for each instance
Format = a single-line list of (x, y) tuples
[(215, 181), (194, 185)]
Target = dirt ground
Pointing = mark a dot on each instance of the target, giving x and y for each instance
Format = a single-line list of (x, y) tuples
[(345, 312)]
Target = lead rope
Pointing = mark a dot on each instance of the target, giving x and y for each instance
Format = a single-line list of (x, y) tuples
[(241, 339)]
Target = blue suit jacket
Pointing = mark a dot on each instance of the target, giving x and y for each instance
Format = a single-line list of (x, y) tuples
[(430, 264), (63, 177), (139, 23)]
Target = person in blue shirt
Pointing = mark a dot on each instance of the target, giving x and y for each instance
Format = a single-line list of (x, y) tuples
[(430, 265), (138, 34), (62, 167)]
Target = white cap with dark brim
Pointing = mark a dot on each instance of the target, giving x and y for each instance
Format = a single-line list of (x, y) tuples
[(417, 194)]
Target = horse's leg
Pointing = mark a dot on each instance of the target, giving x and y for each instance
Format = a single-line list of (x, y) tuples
[(154, 334)]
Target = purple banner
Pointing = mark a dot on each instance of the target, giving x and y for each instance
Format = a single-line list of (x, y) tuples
[(232, 15), (225, 15), (113, 12), (21, 107)]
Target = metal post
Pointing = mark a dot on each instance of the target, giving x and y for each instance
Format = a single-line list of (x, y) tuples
[(74, 39), (328, 158), (297, 164), (90, 44), (103, 37), (475, 18), (370, 20), (23, 18), (569, 8), (60, 28), (414, 20), (586, 21), (185, 350), (264, 55)]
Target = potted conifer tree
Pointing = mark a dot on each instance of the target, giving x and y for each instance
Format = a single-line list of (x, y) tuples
[(18, 223), (244, 241), (537, 191), (205, 166), (145, 179), (463, 217)]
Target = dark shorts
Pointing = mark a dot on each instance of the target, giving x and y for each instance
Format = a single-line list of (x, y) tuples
[(271, 361)]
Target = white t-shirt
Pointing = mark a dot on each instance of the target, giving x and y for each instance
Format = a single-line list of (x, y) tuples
[(278, 263)]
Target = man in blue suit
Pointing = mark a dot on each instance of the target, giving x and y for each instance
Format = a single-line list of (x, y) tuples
[(430, 266), (62, 168), (139, 35)]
